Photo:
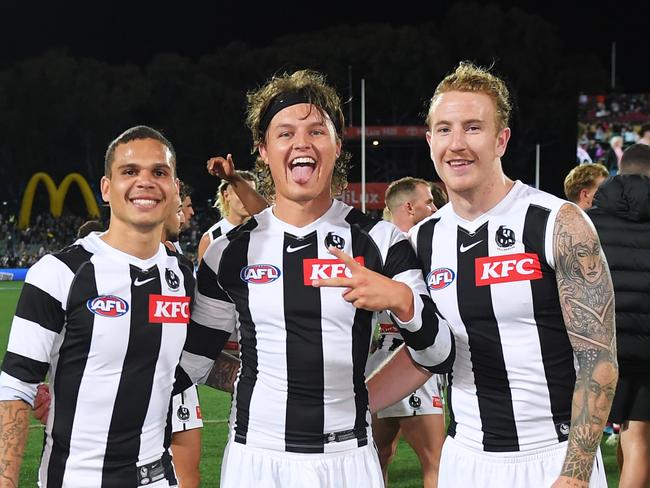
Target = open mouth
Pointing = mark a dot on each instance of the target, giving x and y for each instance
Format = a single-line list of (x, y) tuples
[(302, 169)]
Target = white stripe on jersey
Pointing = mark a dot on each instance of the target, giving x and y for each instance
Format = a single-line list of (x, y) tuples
[(303, 349), (516, 412)]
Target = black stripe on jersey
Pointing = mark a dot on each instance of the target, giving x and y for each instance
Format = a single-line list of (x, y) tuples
[(557, 353), (488, 364), (134, 390), (451, 427), (233, 260), (40, 307), (305, 413), (205, 341), (425, 245), (73, 356), (399, 258), (362, 245), (208, 284), (216, 233), (358, 218), (73, 257), (24, 368)]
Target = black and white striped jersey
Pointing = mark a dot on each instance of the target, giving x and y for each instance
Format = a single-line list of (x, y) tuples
[(301, 385), (493, 279), (108, 328), (220, 228)]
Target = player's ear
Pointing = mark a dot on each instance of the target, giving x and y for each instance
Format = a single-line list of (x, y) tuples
[(263, 153), (105, 185)]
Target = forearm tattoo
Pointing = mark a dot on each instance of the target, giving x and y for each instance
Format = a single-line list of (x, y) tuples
[(587, 300), (14, 428), (224, 373)]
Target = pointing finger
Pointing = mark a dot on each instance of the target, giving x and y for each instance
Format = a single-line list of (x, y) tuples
[(332, 283), (343, 256)]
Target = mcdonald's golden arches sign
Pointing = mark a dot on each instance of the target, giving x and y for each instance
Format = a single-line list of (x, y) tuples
[(57, 196)]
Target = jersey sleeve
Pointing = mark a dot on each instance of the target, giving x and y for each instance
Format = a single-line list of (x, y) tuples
[(212, 321), (38, 321), (427, 335)]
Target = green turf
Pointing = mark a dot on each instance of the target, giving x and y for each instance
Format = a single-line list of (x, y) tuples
[(215, 406)]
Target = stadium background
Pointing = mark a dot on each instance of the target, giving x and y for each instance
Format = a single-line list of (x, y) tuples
[(73, 76)]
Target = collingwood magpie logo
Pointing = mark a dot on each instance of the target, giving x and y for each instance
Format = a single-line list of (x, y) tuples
[(172, 279), (183, 413), (331, 239), (505, 237), (415, 402)]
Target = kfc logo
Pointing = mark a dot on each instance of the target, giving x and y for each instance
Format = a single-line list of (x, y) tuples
[(503, 269), (169, 309), (321, 269)]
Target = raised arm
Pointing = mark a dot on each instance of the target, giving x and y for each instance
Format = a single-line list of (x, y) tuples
[(587, 300), (225, 168), (14, 428)]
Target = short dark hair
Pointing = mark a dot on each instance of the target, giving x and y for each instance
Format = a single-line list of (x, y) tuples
[(644, 128), (133, 134), (439, 195), (636, 160), (184, 189)]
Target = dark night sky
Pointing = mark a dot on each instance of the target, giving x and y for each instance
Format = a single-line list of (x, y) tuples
[(133, 32)]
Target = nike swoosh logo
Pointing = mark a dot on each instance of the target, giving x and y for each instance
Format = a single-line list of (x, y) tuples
[(294, 249), (137, 281), (464, 248)]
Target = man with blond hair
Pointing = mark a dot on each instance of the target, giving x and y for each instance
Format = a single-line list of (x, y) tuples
[(582, 182), (522, 280)]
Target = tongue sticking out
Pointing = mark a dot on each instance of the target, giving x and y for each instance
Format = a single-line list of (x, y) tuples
[(302, 173)]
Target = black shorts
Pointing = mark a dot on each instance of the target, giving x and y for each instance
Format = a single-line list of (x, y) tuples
[(632, 399)]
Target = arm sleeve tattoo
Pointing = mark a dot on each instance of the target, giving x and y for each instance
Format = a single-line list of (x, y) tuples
[(587, 300), (14, 425)]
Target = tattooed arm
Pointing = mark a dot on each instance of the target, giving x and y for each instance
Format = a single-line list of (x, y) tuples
[(587, 300), (224, 373), (14, 425)]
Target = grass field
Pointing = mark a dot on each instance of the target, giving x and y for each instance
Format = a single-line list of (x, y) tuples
[(215, 406)]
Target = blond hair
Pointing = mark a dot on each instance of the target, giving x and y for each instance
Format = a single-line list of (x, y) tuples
[(582, 177), (468, 77)]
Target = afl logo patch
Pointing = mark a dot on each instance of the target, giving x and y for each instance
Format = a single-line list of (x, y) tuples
[(260, 274), (440, 278), (107, 306)]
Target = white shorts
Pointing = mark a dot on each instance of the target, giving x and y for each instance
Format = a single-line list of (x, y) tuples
[(538, 468), (186, 411), (253, 467), (426, 400)]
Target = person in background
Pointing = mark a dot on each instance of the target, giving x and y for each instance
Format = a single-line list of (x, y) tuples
[(644, 132), (582, 182), (419, 417), (621, 214), (614, 154)]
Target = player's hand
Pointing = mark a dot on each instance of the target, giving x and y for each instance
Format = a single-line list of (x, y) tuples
[(222, 167), (369, 290), (566, 482), (42, 403)]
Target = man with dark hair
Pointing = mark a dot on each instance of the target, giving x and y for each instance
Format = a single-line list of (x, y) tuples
[(106, 319), (582, 182), (185, 191), (621, 214), (300, 408)]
